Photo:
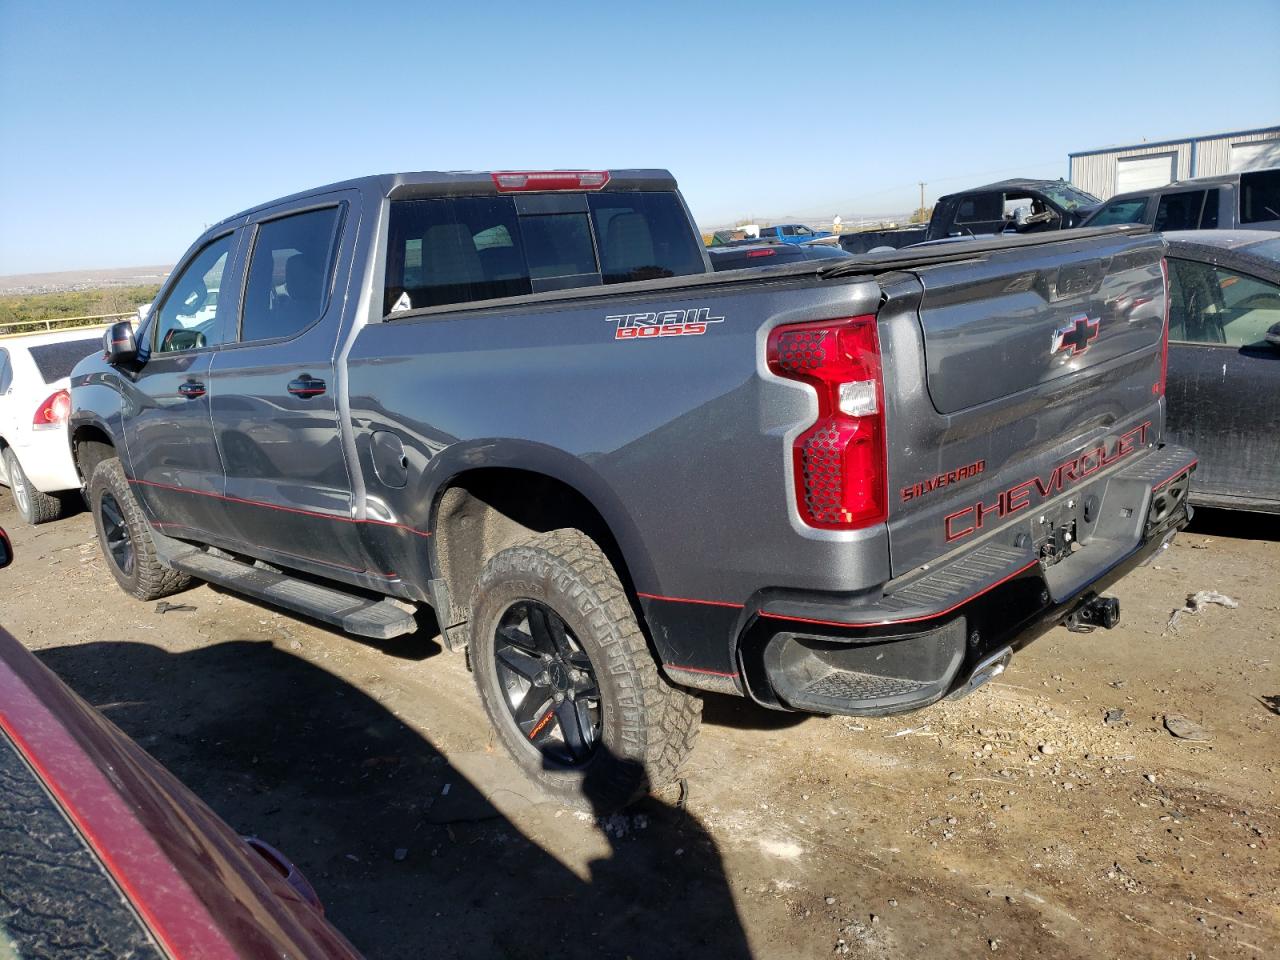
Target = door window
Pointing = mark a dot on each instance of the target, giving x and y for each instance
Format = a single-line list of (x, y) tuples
[(980, 208), (289, 274), (1260, 196), (1209, 218), (1120, 211), (1209, 304), (6, 373), (188, 319), (1179, 211)]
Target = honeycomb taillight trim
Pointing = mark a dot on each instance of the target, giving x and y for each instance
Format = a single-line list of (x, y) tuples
[(839, 460)]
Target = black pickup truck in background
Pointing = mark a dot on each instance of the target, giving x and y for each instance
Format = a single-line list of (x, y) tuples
[(524, 400), (1016, 206)]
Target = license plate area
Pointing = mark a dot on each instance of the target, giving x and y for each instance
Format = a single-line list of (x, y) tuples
[(1057, 532)]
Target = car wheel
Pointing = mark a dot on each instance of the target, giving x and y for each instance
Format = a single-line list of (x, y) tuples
[(567, 679), (125, 536), (35, 507)]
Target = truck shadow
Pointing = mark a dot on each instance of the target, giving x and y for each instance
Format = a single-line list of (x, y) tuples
[(1211, 522), (408, 856)]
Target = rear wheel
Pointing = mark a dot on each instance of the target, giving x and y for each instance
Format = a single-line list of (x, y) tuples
[(35, 507), (125, 536), (566, 676)]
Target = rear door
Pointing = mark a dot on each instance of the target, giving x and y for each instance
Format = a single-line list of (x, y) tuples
[(274, 392), (1224, 378), (177, 473)]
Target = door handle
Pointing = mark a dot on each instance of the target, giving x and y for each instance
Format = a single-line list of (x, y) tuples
[(306, 386), (192, 389)]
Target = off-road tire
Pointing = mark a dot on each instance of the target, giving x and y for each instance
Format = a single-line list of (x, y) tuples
[(149, 579), (648, 726), (36, 507)]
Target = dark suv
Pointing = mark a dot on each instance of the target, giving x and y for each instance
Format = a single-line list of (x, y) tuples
[(1249, 201)]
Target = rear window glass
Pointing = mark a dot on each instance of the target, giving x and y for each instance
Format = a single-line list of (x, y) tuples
[(1180, 211), (1260, 196), (57, 360), (465, 249), (980, 208)]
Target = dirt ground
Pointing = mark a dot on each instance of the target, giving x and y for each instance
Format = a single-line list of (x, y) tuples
[(1018, 821)]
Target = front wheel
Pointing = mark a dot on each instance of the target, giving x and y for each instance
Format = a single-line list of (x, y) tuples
[(567, 678), (125, 536)]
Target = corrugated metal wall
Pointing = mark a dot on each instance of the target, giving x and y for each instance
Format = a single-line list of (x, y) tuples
[(1213, 154), (1096, 172)]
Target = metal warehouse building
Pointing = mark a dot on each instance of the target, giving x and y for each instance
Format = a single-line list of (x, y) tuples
[(1111, 170)]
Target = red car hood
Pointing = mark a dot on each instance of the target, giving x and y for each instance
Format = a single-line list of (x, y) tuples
[(198, 887)]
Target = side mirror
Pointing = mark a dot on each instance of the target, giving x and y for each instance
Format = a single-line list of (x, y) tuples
[(6, 549), (119, 344), (1273, 335)]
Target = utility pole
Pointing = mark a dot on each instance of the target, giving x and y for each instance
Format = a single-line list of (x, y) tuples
[(922, 200)]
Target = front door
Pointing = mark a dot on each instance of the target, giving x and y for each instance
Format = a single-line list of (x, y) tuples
[(175, 468), (1224, 379), (275, 391)]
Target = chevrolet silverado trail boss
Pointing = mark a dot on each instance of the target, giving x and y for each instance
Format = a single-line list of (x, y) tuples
[(525, 401)]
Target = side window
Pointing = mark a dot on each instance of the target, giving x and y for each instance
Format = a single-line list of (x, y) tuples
[(1211, 304), (1121, 211), (188, 319), (6, 373), (289, 274), (769, 232), (1209, 217), (1179, 211), (981, 208), (1260, 196)]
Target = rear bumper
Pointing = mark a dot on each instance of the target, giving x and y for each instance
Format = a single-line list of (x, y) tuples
[(924, 637), (45, 456)]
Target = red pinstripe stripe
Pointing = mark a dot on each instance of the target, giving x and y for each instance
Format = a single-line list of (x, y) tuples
[(888, 623), (274, 506), (1175, 476), (705, 603)]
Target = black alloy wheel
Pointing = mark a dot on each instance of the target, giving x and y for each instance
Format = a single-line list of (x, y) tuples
[(549, 683), (118, 542)]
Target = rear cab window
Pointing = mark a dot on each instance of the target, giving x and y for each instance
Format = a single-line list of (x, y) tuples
[(1260, 196), (57, 360), (451, 250)]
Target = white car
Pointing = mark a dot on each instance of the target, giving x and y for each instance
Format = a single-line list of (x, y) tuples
[(35, 457)]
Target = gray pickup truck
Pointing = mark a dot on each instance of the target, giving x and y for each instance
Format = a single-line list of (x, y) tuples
[(524, 402)]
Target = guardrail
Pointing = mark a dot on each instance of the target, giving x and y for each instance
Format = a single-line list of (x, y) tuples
[(20, 328)]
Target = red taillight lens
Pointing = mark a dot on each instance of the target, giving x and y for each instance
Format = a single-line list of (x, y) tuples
[(761, 253), (840, 470), (513, 181), (53, 412), (1158, 387)]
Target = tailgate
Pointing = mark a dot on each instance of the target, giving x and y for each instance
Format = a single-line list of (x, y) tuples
[(1022, 373)]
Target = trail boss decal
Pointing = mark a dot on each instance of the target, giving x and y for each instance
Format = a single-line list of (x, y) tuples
[(669, 323), (973, 518)]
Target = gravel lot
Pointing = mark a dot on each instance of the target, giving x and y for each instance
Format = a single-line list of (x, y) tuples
[(1019, 821)]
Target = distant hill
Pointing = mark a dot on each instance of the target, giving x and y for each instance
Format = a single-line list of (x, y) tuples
[(73, 280)]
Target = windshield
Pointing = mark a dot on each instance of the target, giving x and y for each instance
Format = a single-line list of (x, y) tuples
[(1069, 198)]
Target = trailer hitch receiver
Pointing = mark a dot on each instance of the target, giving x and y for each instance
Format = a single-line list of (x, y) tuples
[(1093, 613)]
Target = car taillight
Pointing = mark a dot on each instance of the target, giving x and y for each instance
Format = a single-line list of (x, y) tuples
[(53, 412), (840, 470), (761, 253), (1158, 387), (512, 181)]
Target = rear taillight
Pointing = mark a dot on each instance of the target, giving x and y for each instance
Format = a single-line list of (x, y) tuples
[(840, 470), (1158, 387), (53, 412), (761, 253), (513, 181)]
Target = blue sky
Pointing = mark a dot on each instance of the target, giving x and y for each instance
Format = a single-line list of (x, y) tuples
[(125, 128)]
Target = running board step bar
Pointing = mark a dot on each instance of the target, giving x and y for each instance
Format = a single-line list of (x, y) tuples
[(379, 619)]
